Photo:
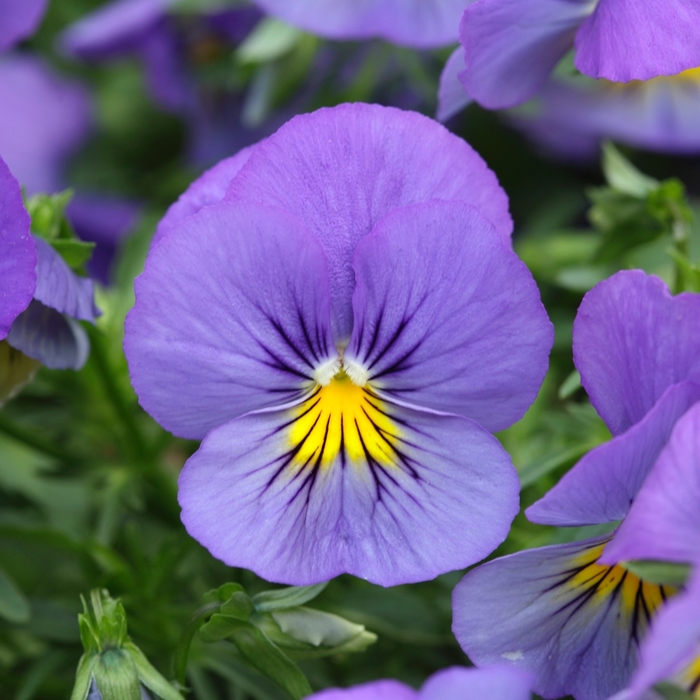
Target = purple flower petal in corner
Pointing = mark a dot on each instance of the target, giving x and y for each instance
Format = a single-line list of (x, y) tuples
[(663, 522), (512, 46), (627, 40), (376, 690), (452, 97), (418, 23), (18, 259), (43, 119), (19, 20)]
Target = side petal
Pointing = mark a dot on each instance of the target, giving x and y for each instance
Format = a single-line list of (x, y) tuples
[(492, 682), (18, 259), (419, 23), (376, 690), (632, 341), (209, 188), (452, 97), (603, 485), (342, 169), (19, 20), (511, 46), (231, 315), (347, 483), (58, 287), (627, 40), (663, 521), (44, 334), (672, 644), (447, 317), (559, 614)]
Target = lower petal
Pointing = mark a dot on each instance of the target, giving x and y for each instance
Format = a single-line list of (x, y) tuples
[(558, 613), (368, 488), (494, 682)]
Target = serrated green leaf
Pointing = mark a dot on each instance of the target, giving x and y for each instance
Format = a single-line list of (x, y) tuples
[(623, 176), (149, 676), (76, 254), (672, 692), (291, 597), (659, 572), (14, 606)]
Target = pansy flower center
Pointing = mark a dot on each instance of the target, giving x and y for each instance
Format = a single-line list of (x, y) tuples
[(345, 420)]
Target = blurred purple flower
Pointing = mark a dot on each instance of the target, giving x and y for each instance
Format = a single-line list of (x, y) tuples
[(568, 612), (19, 20), (418, 23), (657, 115), (512, 46), (456, 683), (316, 325), (170, 47)]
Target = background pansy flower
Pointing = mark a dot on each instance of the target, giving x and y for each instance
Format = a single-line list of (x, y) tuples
[(456, 683), (656, 115), (418, 23), (567, 612), (511, 47), (345, 341), (19, 20)]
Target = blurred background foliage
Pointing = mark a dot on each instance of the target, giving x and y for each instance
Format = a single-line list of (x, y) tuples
[(88, 480)]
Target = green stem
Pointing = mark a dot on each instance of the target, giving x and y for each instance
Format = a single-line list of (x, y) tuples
[(681, 242), (123, 406), (199, 617), (31, 439)]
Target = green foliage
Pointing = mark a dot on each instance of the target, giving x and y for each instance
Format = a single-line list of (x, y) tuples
[(661, 572)]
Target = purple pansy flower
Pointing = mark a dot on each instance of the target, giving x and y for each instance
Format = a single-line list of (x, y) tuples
[(169, 47), (657, 115), (19, 20), (18, 260), (343, 329), (456, 683), (568, 612), (512, 46), (671, 651), (418, 23)]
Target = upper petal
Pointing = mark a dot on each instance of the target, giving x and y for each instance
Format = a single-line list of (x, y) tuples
[(663, 522), (231, 315), (209, 188), (19, 20), (419, 23), (603, 485), (452, 97), (512, 46), (447, 317), (58, 287), (493, 682), (342, 169), (556, 612), (627, 40), (18, 259), (347, 483), (633, 340)]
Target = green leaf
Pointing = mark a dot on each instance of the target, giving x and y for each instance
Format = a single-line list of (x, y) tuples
[(659, 572), (75, 253), (623, 176), (269, 660), (239, 605), (116, 676), (47, 212), (219, 627), (270, 40), (14, 606), (83, 676), (149, 676), (223, 593), (672, 692), (570, 385), (316, 627), (286, 597)]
